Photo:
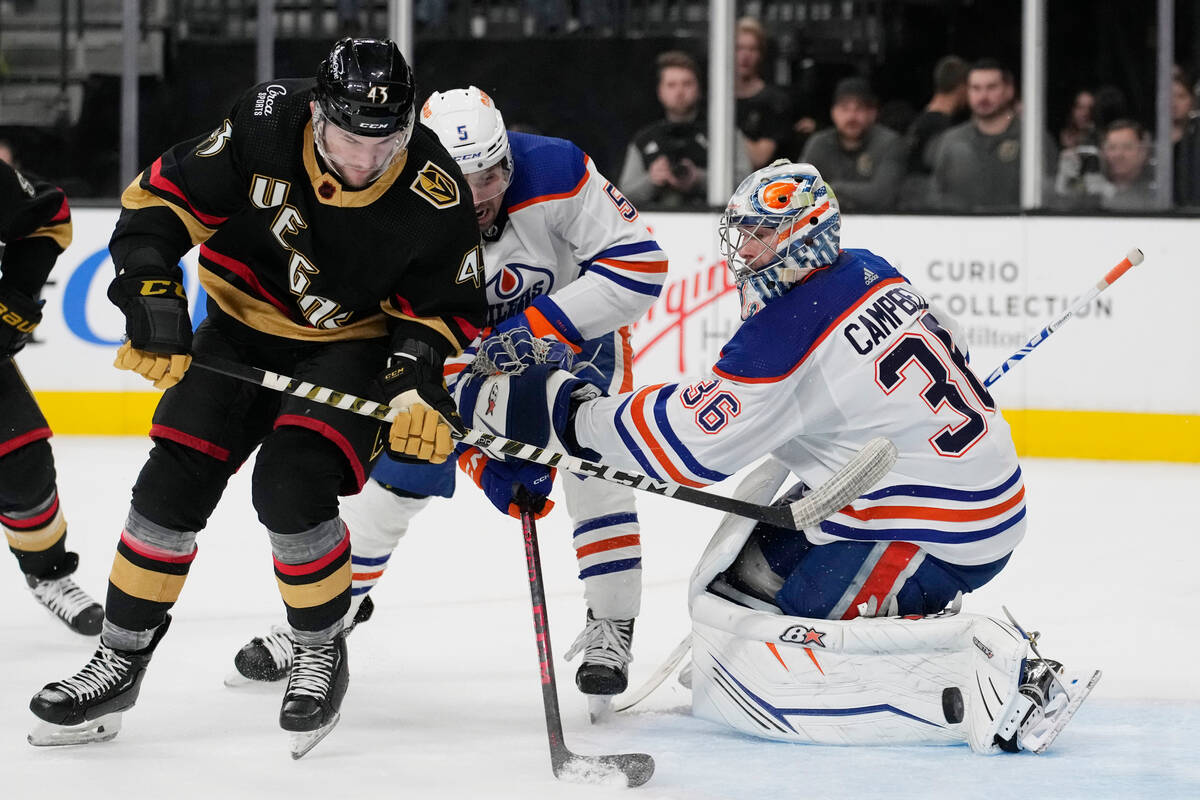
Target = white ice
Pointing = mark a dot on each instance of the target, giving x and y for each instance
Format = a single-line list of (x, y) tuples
[(444, 698)]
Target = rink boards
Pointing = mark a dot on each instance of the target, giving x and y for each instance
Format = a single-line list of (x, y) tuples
[(1120, 381)]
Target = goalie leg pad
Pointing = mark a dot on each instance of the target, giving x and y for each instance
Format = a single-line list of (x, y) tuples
[(932, 680)]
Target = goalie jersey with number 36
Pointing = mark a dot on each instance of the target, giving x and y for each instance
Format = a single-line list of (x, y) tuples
[(851, 353)]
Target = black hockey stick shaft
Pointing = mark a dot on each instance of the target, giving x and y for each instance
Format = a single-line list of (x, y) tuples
[(636, 767), (779, 516)]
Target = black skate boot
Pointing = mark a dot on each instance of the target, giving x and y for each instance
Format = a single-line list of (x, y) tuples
[(605, 644), (315, 689), (87, 707), (266, 659), (65, 600)]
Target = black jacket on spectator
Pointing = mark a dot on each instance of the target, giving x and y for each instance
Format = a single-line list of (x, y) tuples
[(675, 140)]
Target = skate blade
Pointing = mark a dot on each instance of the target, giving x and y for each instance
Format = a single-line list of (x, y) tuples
[(101, 729), (303, 741), (600, 708), (1079, 686)]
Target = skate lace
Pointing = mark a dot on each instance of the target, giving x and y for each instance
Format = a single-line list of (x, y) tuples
[(312, 670), (603, 641), (278, 644), (63, 597), (105, 670)]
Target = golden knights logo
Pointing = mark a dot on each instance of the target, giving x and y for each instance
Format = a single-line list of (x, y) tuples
[(436, 186), (216, 140)]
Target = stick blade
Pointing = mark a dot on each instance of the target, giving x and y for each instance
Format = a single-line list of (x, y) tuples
[(625, 769), (862, 472)]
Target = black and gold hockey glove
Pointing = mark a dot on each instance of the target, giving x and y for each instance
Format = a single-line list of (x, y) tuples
[(414, 386), (19, 315), (158, 329)]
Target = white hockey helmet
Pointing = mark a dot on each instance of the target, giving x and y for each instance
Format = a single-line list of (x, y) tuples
[(470, 127), (782, 223)]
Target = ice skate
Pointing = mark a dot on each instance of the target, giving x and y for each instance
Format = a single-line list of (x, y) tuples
[(316, 686), (65, 600), (604, 672), (266, 659), (87, 707), (1048, 699)]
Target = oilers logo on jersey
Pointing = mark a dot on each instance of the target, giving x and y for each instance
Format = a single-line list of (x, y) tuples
[(513, 288)]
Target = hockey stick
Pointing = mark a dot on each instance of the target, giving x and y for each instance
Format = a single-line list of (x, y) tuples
[(861, 473), (636, 767), (1132, 259), (631, 699)]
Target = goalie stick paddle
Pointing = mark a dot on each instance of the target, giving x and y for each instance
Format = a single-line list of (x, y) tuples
[(1132, 259), (635, 767), (861, 473)]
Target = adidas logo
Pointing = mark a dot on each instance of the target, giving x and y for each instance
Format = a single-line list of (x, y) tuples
[(869, 276)]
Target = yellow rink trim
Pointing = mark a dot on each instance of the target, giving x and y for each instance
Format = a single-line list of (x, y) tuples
[(1120, 436)]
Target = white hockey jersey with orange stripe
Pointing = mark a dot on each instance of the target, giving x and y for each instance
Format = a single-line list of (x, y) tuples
[(851, 353), (569, 245)]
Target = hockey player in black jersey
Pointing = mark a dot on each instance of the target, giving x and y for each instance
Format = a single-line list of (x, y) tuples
[(337, 244), (35, 226)]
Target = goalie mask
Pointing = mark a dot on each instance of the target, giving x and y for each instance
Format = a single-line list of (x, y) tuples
[(781, 224), (366, 90), (470, 127)]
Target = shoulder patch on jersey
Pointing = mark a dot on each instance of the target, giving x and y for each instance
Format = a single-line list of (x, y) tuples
[(216, 140), (436, 186)]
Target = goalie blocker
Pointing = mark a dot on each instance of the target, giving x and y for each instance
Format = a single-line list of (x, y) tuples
[(942, 679)]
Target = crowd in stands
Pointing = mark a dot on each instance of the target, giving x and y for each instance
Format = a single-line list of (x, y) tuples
[(960, 153)]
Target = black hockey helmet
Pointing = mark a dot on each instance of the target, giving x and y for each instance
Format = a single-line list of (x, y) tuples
[(366, 87)]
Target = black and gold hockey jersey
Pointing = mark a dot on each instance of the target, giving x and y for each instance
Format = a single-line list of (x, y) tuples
[(35, 227), (286, 249)]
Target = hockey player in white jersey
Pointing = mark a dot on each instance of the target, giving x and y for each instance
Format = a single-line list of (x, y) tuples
[(836, 348), (567, 259)]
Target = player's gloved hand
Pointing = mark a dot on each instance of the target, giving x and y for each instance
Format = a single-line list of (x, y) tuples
[(413, 383), (536, 407), (158, 329), (501, 480), (19, 315), (513, 350)]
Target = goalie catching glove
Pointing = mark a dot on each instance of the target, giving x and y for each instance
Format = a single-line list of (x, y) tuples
[(425, 410), (158, 329), (513, 344), (501, 481)]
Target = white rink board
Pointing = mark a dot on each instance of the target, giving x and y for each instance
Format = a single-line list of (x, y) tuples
[(1003, 278)]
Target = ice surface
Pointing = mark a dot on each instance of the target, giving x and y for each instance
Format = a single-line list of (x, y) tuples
[(444, 698)]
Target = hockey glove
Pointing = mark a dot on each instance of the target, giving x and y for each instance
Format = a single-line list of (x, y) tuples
[(536, 407), (158, 330), (511, 351), (500, 481), (413, 382), (19, 315)]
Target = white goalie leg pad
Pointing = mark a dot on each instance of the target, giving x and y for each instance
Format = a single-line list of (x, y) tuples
[(893, 680), (377, 519)]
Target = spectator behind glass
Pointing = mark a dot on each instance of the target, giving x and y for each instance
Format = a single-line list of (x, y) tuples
[(1126, 153), (863, 159), (1080, 127), (762, 110), (6, 153), (977, 165), (944, 109), (1185, 136), (666, 163)]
